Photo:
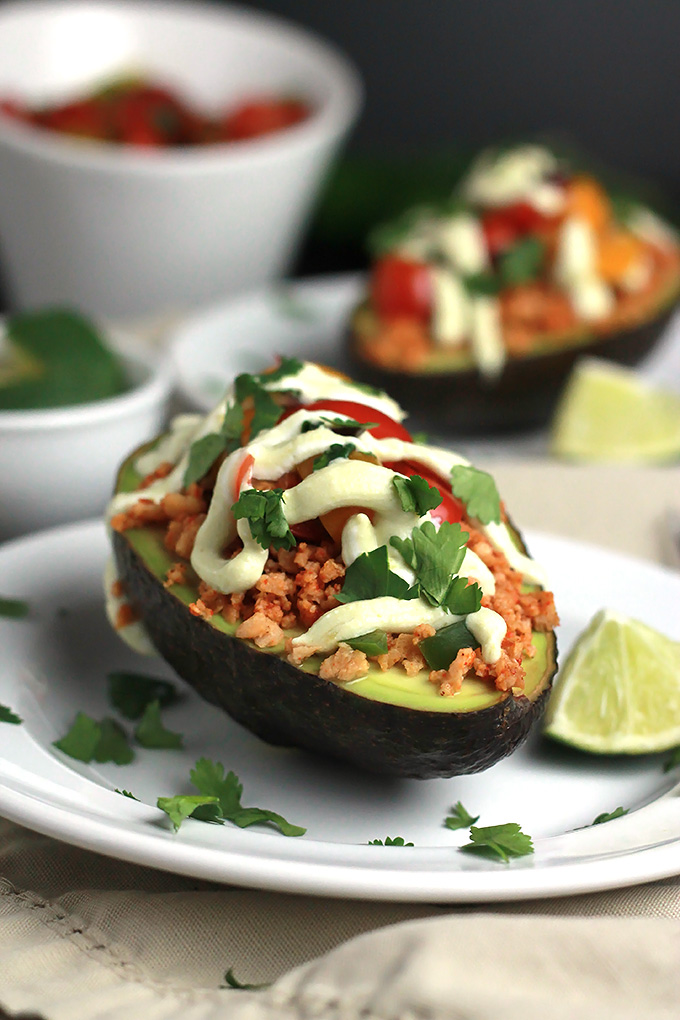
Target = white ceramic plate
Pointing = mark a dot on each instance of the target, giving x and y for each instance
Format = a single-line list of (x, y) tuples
[(55, 663)]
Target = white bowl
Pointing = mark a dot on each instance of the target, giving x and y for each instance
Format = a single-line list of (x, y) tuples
[(121, 232), (60, 464)]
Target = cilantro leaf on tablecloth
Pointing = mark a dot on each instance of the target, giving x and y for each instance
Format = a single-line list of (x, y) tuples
[(88, 740), (263, 509), (231, 981), (178, 809), (389, 841), (499, 842), (416, 495), (209, 778), (336, 451), (130, 693), (459, 818), (14, 609), (478, 491), (369, 577), (442, 648), (8, 716), (151, 733)]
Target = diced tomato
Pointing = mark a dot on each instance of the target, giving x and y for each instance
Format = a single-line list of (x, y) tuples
[(86, 119), (450, 509), (401, 288), (260, 117), (499, 230), (149, 116), (245, 469), (386, 427)]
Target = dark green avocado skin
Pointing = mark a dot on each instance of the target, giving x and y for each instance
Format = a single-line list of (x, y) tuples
[(524, 395), (283, 705)]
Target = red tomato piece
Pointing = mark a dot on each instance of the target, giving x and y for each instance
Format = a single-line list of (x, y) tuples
[(401, 288), (500, 232), (148, 115), (245, 468), (450, 509), (262, 116), (86, 119), (386, 427)]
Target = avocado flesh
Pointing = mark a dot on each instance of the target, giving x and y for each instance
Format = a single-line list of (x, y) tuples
[(386, 722)]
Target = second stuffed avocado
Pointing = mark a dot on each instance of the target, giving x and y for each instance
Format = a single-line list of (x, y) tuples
[(332, 584), (475, 313)]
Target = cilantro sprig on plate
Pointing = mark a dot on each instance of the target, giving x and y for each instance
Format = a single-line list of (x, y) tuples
[(91, 740), (14, 609), (8, 716), (389, 841), (263, 509), (499, 842), (460, 818)]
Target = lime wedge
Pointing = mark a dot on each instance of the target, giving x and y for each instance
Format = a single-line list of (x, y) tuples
[(609, 413), (619, 690)]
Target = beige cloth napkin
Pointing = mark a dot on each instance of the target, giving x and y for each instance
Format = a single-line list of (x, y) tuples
[(85, 937)]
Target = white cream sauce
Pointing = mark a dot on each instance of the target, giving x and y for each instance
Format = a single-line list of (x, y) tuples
[(518, 175), (576, 270)]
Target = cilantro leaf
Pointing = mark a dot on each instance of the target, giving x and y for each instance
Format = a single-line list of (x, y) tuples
[(88, 740), (421, 438), (673, 761), (416, 495), (285, 367), (435, 555), (263, 509), (441, 649), (478, 491), (369, 577), (608, 816), (266, 412), (14, 609), (463, 597), (459, 818), (389, 841), (205, 451), (8, 716), (499, 842), (232, 982), (522, 262), (130, 693), (482, 284), (151, 733), (179, 808), (209, 778), (373, 643), (335, 451), (126, 793)]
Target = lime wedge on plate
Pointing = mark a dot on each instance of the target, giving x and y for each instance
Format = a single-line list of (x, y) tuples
[(619, 690), (610, 413)]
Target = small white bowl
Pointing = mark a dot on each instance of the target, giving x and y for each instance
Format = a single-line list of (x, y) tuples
[(122, 232), (60, 464)]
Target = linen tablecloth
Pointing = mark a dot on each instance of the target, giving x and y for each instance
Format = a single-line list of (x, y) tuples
[(85, 937)]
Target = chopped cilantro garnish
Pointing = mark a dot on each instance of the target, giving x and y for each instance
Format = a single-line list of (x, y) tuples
[(459, 818), (482, 284), (266, 412), (522, 262), (178, 809), (499, 842), (8, 716), (205, 451), (372, 644), (478, 491), (435, 555), (441, 649), (373, 391), (343, 426), (210, 780), (130, 693), (389, 235), (389, 841), (88, 740), (369, 577), (151, 733), (608, 816), (285, 367), (416, 495), (15, 609), (230, 981), (336, 451), (263, 509), (126, 793), (421, 438)]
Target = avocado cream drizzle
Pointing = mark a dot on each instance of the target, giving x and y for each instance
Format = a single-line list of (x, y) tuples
[(341, 483)]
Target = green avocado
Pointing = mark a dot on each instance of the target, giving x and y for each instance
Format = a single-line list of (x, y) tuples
[(449, 394), (386, 722)]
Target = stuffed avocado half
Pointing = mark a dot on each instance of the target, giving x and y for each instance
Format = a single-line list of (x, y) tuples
[(475, 313), (329, 582)]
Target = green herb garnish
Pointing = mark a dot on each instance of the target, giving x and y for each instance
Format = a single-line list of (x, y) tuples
[(230, 981), (285, 367), (343, 426), (8, 716), (608, 816), (369, 577), (372, 644), (387, 236), (482, 284), (459, 818), (14, 609), (416, 495), (263, 509), (421, 438), (522, 262), (442, 648), (499, 842), (205, 451), (151, 733), (130, 693), (336, 451), (673, 761), (126, 793), (88, 740), (178, 809), (478, 491), (389, 841), (266, 412), (435, 556), (210, 780)]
